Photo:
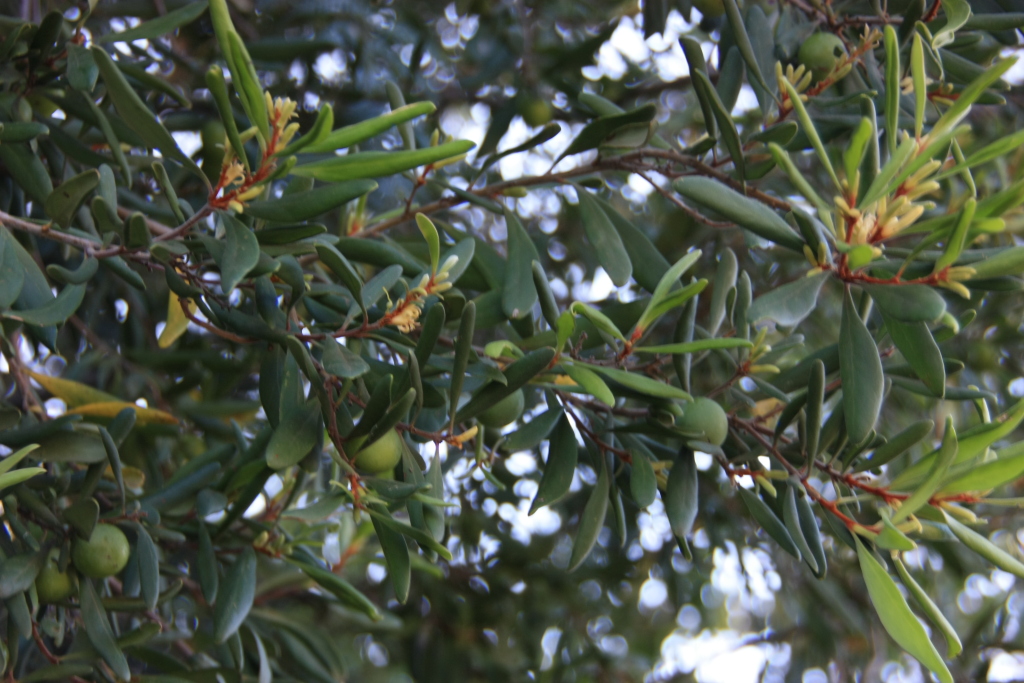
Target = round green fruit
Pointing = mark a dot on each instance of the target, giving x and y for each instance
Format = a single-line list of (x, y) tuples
[(710, 8), (382, 455), (505, 411), (821, 53), (535, 111), (704, 416), (103, 555), (53, 585)]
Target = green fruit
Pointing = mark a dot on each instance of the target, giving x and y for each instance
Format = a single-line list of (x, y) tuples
[(505, 411), (53, 585), (710, 8), (821, 53), (103, 555), (382, 455), (535, 111), (705, 417)]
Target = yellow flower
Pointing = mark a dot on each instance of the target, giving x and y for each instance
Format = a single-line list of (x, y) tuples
[(406, 318)]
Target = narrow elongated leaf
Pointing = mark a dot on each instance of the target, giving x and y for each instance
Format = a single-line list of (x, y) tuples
[(63, 202), (342, 590), (54, 312), (590, 382), (861, 371), (930, 609), (745, 44), (680, 498), (1008, 467), (595, 132), (697, 346), (957, 12), (892, 89), (364, 130), (379, 164), (809, 528), (161, 26), (302, 206), (12, 275), (396, 556), (137, 115), (206, 565), (643, 483), (341, 362), (19, 572), (519, 293), (642, 383), (743, 211), (611, 253), (772, 525), (897, 445), (790, 303), (235, 598), (984, 547), (149, 567), (916, 343), (649, 265), (591, 520), (560, 467), (791, 517), (896, 617), (97, 629), (241, 252), (907, 303)]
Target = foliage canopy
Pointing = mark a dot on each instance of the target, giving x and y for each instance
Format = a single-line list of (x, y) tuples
[(301, 385)]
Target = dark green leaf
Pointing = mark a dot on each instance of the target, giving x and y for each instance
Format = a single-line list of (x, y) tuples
[(790, 303), (916, 343), (161, 26), (680, 498), (772, 525), (305, 205), (591, 519), (743, 211), (861, 371), (611, 253), (560, 466), (519, 293), (379, 164), (235, 598), (97, 628)]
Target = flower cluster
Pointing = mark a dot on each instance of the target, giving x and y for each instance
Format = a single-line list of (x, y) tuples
[(406, 312)]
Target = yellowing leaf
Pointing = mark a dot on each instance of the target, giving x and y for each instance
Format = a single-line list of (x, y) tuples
[(177, 321), (112, 408), (73, 393)]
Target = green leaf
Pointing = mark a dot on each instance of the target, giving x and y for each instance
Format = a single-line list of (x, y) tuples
[(791, 517), (19, 572), (595, 132), (897, 445), (809, 528), (701, 86), (54, 312), (680, 497), (957, 13), (643, 483), (1006, 468), (161, 26), (746, 47), (98, 630), (649, 265), (244, 78), (137, 115), (295, 436), (219, 90), (560, 467), (149, 567), (591, 519), (642, 384), (967, 97), (907, 303), (930, 609), (729, 135), (925, 491), (339, 361), (27, 170), (665, 285), (861, 371), (429, 233), (811, 132), (772, 525), (747, 213), (599, 319), (396, 554), (341, 267), (697, 346), (590, 381), (605, 239), (916, 343), (320, 129), (516, 375), (364, 130), (236, 596), (790, 303), (892, 89), (342, 590), (519, 292), (63, 202), (896, 617), (984, 547), (206, 565), (797, 178), (1008, 261), (379, 164), (241, 252), (303, 206), (12, 274)]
